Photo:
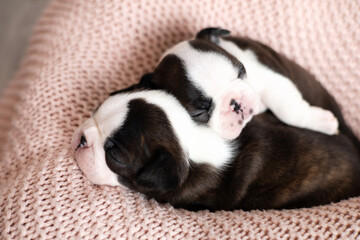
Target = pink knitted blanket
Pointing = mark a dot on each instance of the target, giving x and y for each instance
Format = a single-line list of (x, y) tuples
[(83, 50)]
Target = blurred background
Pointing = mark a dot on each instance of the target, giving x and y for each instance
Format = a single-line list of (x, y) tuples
[(17, 19)]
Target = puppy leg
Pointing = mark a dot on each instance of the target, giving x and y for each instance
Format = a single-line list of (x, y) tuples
[(286, 102)]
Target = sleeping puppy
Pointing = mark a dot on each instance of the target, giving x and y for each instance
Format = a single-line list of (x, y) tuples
[(150, 141), (147, 141), (232, 79)]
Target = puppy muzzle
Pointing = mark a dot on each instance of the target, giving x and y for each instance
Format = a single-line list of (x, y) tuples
[(90, 154), (235, 107)]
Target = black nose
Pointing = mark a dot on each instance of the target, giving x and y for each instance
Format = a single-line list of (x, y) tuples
[(82, 143), (236, 105)]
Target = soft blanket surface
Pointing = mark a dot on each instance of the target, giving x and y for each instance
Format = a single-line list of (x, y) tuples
[(83, 50)]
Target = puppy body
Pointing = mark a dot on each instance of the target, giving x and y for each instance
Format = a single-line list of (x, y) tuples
[(148, 141), (277, 166), (139, 142), (209, 69)]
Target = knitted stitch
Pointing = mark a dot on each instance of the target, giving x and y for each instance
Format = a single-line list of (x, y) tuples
[(83, 50)]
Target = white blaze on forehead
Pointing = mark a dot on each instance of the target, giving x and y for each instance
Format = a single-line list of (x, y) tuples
[(207, 70), (200, 143), (111, 115)]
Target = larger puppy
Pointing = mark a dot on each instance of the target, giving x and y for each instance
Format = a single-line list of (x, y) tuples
[(147, 141)]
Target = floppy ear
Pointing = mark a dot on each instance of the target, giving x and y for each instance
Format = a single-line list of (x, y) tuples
[(212, 34), (128, 89), (162, 173), (145, 83)]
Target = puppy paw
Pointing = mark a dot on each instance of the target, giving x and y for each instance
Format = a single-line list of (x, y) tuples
[(323, 121)]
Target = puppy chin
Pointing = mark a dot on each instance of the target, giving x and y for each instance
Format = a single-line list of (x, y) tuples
[(90, 155)]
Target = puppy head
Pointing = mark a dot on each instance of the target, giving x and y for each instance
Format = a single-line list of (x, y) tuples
[(209, 83), (144, 140)]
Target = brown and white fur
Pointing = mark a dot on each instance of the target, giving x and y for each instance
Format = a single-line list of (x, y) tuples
[(212, 62), (159, 142)]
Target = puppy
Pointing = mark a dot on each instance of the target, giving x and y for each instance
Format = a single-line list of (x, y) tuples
[(146, 140), (233, 79)]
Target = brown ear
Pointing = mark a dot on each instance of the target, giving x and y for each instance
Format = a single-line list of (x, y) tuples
[(128, 89), (145, 83), (162, 173), (212, 34)]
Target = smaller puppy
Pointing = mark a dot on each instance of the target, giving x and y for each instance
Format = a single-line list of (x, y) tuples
[(233, 79)]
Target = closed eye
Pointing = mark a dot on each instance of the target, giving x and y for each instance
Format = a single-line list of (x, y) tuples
[(200, 111), (201, 116), (116, 152), (242, 71)]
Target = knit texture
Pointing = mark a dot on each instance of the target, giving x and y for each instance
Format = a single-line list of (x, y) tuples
[(83, 50)]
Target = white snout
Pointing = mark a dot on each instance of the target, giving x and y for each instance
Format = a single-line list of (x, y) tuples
[(91, 155), (227, 121)]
